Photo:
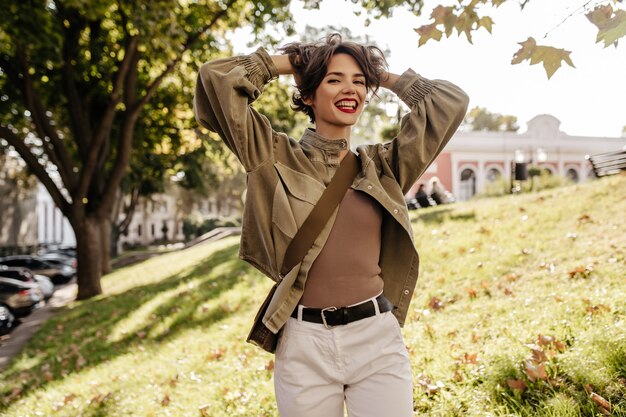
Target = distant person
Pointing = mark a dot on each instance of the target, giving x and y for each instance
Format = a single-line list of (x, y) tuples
[(422, 196)]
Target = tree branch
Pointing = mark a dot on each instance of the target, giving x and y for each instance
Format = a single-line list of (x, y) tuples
[(192, 39), (106, 123), (31, 160), (57, 152), (81, 126), (132, 113), (122, 227)]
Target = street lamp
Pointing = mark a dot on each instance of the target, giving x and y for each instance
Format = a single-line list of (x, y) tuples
[(519, 166)]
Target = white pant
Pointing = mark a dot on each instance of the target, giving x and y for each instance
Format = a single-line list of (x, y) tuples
[(364, 363)]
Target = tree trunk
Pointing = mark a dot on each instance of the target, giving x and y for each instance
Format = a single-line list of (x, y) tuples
[(114, 242), (105, 230), (89, 256)]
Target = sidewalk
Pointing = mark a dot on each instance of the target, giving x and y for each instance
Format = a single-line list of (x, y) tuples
[(13, 343)]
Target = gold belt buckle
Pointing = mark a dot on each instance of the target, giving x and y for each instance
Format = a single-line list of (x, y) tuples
[(331, 308)]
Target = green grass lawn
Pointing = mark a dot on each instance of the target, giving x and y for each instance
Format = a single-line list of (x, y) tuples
[(520, 310)]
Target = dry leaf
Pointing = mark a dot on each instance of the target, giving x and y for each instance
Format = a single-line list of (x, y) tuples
[(544, 340), (536, 371), (204, 410), (216, 355), (601, 401), (165, 401), (539, 356), (471, 292), (516, 384), (470, 358), (435, 304), (269, 366), (99, 398)]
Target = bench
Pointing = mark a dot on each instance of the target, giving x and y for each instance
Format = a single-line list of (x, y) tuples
[(608, 163)]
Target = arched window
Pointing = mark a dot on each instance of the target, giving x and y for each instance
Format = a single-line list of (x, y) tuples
[(572, 174), (493, 174), (467, 187)]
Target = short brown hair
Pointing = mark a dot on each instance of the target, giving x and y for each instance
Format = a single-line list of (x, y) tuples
[(310, 62)]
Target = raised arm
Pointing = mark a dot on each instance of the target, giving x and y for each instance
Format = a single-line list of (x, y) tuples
[(224, 91), (437, 109)]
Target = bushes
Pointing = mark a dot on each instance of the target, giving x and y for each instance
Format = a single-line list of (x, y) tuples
[(195, 226), (543, 181)]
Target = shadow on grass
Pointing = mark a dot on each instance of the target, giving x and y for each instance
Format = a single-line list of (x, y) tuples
[(439, 215), (85, 328)]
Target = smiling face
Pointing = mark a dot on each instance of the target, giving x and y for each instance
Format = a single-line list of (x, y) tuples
[(339, 99)]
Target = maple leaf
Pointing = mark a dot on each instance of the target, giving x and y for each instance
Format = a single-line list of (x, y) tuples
[(486, 22), (428, 32), (611, 24), (550, 57)]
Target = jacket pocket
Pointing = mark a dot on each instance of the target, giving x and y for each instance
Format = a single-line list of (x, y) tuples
[(294, 197)]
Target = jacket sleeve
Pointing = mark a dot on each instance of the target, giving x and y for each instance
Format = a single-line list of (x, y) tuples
[(224, 91), (437, 108)]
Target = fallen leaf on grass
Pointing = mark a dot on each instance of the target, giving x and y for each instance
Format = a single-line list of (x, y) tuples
[(165, 401), (597, 309), (601, 402), (535, 371), (471, 292), (99, 398), (269, 366), (584, 218), (435, 304), (581, 272), (516, 384), (204, 410), (470, 358), (216, 354)]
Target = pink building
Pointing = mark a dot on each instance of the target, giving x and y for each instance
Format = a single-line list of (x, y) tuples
[(473, 159)]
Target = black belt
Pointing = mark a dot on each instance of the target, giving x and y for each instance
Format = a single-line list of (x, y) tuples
[(333, 316)]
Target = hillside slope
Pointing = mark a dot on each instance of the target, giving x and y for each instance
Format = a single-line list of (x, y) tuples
[(520, 310)]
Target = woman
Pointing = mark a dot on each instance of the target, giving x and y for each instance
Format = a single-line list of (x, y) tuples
[(363, 265)]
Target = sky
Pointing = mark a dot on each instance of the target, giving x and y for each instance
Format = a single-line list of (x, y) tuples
[(589, 100)]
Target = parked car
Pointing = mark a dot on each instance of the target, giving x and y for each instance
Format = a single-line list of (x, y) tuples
[(7, 320), (59, 258), (23, 274), (59, 274), (22, 298)]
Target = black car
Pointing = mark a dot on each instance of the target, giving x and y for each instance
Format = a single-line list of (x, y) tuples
[(59, 274), (22, 298), (7, 320)]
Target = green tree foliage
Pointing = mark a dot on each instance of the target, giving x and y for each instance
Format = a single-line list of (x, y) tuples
[(481, 119), (85, 82), (468, 16), (91, 88)]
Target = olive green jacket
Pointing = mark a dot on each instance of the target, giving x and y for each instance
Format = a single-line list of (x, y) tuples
[(285, 177)]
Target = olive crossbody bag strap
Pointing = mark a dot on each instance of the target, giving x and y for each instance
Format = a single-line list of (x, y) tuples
[(317, 219)]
